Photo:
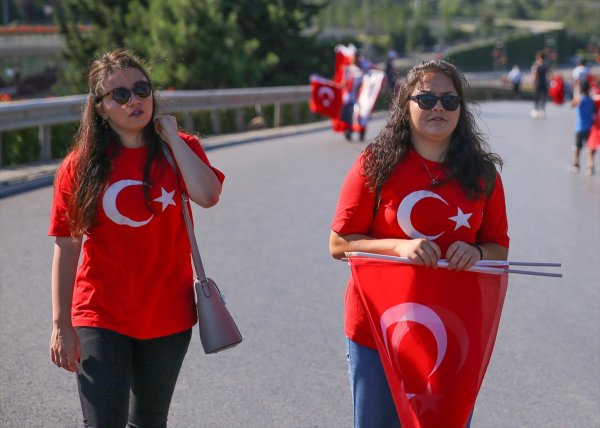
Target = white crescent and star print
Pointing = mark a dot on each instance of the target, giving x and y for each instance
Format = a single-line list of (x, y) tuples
[(109, 203), (398, 317), (401, 316), (326, 95), (407, 204)]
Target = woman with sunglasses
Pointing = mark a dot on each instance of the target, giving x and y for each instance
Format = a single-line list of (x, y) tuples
[(122, 319), (429, 151)]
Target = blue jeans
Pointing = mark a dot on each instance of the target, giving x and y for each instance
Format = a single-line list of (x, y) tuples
[(373, 403)]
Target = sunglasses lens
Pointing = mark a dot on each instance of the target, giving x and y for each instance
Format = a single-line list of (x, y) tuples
[(142, 89), (450, 102), (427, 102), (120, 95)]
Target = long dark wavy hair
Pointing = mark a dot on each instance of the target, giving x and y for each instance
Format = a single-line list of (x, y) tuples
[(93, 142), (467, 159)]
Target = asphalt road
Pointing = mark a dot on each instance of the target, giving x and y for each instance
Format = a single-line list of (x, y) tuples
[(265, 244)]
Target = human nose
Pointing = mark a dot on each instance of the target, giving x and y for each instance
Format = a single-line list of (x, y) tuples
[(438, 104)]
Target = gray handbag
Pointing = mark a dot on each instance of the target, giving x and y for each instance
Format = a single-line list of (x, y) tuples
[(218, 330)]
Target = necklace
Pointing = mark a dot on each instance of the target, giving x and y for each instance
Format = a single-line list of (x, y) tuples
[(434, 180)]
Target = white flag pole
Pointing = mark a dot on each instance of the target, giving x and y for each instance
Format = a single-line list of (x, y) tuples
[(505, 262), (486, 266)]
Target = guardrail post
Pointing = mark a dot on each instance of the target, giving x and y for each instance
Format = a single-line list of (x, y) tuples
[(276, 115), (45, 143), (188, 121), (215, 122), (239, 119)]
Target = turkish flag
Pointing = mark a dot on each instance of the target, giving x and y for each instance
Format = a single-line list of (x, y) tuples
[(325, 97), (435, 331), (369, 91)]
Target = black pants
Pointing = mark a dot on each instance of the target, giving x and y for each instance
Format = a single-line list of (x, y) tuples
[(540, 95), (348, 113), (128, 382)]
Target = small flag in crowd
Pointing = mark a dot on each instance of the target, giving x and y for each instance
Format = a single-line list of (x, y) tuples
[(369, 92), (326, 97), (435, 330), (344, 56)]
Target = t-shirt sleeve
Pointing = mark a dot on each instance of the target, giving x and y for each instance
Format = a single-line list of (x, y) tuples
[(494, 226), (194, 144), (63, 187), (354, 212)]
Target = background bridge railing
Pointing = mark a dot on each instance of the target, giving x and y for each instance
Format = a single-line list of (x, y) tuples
[(43, 113)]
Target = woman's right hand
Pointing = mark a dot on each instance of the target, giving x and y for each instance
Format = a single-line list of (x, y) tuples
[(64, 348), (420, 250)]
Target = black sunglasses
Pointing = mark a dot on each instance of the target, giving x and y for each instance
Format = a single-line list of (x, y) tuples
[(428, 101), (141, 89)]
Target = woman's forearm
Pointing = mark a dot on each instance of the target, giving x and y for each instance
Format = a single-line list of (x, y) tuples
[(203, 186), (423, 249), (492, 251), (339, 245), (64, 270)]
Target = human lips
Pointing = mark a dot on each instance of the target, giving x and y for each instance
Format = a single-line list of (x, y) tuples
[(137, 113), (437, 119)]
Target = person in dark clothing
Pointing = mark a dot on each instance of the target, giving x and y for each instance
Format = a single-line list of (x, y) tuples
[(539, 71)]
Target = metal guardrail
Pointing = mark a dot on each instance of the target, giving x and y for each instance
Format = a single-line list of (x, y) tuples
[(40, 112), (52, 111), (44, 113)]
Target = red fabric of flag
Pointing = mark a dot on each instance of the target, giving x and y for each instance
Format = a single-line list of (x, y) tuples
[(325, 97), (344, 56), (435, 330)]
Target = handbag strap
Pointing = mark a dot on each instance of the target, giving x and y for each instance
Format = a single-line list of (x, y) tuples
[(198, 267)]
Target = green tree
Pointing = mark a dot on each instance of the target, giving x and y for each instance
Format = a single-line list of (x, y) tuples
[(419, 33), (192, 45), (286, 52), (107, 23), (188, 43)]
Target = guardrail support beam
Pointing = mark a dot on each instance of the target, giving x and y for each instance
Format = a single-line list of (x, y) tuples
[(215, 122), (239, 119), (276, 115), (44, 137), (188, 121)]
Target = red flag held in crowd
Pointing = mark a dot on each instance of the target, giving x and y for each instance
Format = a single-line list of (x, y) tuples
[(325, 97), (344, 56), (349, 98), (557, 89), (435, 330), (368, 96)]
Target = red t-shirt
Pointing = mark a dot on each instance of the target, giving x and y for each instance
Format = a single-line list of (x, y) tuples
[(135, 276), (409, 208)]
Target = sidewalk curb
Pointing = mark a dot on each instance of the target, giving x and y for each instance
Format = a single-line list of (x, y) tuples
[(25, 185)]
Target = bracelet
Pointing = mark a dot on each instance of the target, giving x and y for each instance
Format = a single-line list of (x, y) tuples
[(480, 251)]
